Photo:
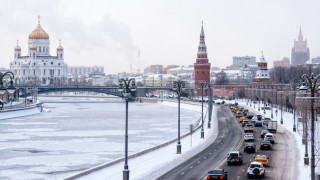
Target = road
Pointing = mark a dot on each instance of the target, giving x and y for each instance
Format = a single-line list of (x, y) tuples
[(227, 140), (281, 158)]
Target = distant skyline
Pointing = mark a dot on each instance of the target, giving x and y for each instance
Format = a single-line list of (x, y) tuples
[(112, 33)]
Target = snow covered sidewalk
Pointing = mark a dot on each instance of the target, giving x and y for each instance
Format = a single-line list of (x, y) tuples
[(155, 163)]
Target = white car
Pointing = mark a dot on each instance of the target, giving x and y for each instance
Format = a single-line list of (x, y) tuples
[(255, 169), (248, 127), (254, 119), (269, 137), (249, 137)]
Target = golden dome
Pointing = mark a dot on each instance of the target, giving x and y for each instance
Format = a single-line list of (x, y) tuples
[(33, 48), (38, 33), (17, 48)]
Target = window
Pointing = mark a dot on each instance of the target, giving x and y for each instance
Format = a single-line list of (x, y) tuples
[(34, 72), (51, 63), (34, 54), (39, 49), (44, 72), (202, 72), (60, 55), (34, 64), (24, 72)]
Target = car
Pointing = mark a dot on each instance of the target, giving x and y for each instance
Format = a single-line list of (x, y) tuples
[(249, 137), (217, 174), (265, 145), (270, 137), (266, 120), (241, 109), (242, 119), (254, 119), (258, 123), (244, 122), (255, 169), (250, 116), (234, 157), (245, 110), (262, 158), (248, 127), (259, 117), (263, 133), (239, 114), (249, 147)]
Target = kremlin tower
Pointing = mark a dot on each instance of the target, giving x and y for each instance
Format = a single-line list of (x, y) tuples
[(202, 66), (262, 74)]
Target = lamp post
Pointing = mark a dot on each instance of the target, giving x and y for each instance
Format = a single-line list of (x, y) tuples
[(126, 85), (281, 120), (202, 85), (311, 82), (294, 109), (178, 86), (10, 89), (210, 105)]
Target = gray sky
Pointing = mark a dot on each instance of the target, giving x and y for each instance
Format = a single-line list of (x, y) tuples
[(110, 33)]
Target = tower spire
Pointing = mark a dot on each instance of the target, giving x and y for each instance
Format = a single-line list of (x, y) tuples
[(17, 42), (300, 37), (202, 31)]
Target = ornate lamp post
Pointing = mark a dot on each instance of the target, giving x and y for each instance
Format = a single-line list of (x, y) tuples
[(202, 85), (281, 121), (126, 85), (210, 104), (294, 109), (178, 86), (311, 83), (11, 89)]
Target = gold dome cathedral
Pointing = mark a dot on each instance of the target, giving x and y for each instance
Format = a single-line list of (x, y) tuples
[(38, 33)]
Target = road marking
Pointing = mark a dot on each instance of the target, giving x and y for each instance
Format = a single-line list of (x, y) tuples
[(191, 167), (243, 170), (182, 173), (238, 177), (210, 153), (198, 162)]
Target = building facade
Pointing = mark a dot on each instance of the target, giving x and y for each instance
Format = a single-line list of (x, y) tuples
[(316, 60), (285, 62), (39, 67), (300, 52), (86, 70), (202, 66), (262, 74), (240, 62)]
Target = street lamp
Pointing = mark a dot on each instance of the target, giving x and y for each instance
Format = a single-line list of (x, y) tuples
[(281, 104), (10, 89), (294, 109), (179, 86), (311, 82), (126, 85), (202, 85), (210, 104)]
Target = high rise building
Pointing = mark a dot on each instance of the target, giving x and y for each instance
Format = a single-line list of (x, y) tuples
[(300, 52), (262, 74), (243, 61), (39, 67), (202, 65), (285, 62)]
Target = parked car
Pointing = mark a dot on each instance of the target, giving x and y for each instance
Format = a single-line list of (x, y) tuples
[(261, 158), (259, 117), (255, 169), (249, 137), (244, 122), (249, 147), (265, 145), (217, 174), (258, 123), (269, 137), (234, 157), (248, 128), (263, 133)]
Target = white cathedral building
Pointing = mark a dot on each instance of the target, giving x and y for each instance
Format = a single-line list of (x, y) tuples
[(38, 67)]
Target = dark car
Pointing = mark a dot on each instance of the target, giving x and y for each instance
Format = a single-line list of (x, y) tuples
[(265, 145), (259, 117), (234, 157), (250, 116), (239, 114), (250, 147), (258, 123), (217, 174), (263, 133)]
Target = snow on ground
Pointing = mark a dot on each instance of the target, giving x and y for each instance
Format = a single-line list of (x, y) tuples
[(157, 162), (288, 121), (7, 114)]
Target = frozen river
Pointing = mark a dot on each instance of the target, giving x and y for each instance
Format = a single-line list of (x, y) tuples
[(74, 135)]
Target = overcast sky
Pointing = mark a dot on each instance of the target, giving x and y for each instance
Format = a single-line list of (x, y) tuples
[(110, 33)]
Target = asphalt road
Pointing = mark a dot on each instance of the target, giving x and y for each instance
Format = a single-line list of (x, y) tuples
[(281, 157), (198, 166)]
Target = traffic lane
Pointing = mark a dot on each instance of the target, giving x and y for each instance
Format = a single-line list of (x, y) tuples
[(209, 158), (240, 171)]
